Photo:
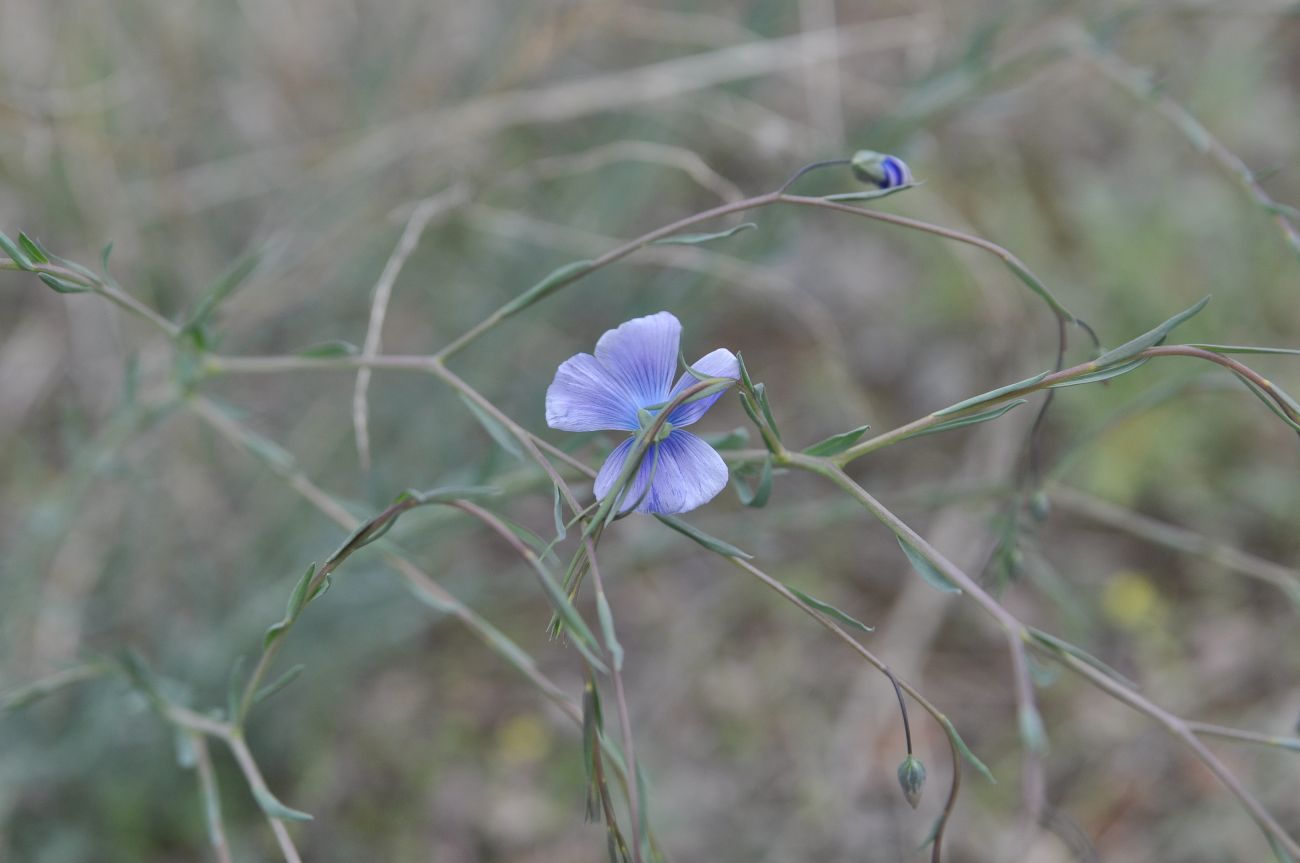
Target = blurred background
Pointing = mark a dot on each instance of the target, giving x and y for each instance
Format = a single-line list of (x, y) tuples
[(191, 135)]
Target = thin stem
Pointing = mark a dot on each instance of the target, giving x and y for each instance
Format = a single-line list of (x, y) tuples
[(248, 765), (1207, 729), (211, 797)]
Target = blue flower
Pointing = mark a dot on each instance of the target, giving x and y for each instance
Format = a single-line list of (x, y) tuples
[(630, 376)]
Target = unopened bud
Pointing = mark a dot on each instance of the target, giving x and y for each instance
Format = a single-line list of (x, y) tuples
[(880, 169), (911, 776)]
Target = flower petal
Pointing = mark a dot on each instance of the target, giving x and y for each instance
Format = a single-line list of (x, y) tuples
[(641, 354), (585, 397), (684, 473), (722, 363)]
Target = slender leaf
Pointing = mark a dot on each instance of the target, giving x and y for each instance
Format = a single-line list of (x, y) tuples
[(831, 611), (710, 542), (63, 286), (991, 395), (1039, 288), (555, 280), (973, 419), (966, 752), (869, 194), (1150, 338), (1103, 374), (1247, 349), (1062, 646), (325, 350), (275, 809), (606, 617), (696, 239), (927, 570), (222, 288), (279, 683), (16, 254), (33, 249), (495, 429), (758, 496), (836, 444)]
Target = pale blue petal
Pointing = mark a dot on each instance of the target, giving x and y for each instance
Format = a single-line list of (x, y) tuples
[(641, 354), (585, 397), (684, 473), (722, 363), (613, 466)]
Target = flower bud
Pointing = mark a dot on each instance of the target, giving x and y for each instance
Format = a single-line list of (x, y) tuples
[(911, 776), (880, 169)]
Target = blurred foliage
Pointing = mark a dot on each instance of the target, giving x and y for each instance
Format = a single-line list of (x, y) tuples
[(191, 134)]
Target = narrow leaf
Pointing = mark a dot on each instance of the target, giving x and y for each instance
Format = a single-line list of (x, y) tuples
[(991, 395), (553, 282), (63, 286), (836, 444), (222, 288), (275, 809), (14, 252), (279, 683), (495, 430), (1150, 338), (927, 570), (710, 542), (326, 350), (606, 617), (561, 529), (757, 497), (33, 249), (1103, 374), (869, 194), (1039, 288), (973, 419), (965, 751), (1247, 349), (1062, 646), (737, 438), (831, 611), (696, 239)]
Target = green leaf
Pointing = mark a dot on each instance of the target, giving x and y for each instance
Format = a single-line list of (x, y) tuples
[(274, 808), (744, 372), (553, 282), (279, 683), (606, 617), (222, 288), (831, 611), (836, 444), (991, 395), (297, 600), (33, 692), (711, 543), (495, 429), (757, 497), (955, 738), (1061, 646), (760, 393), (1102, 374), (927, 570), (561, 529), (1272, 405), (62, 285), (326, 350), (973, 419), (14, 252), (869, 194), (33, 249), (1150, 338), (1039, 288), (696, 239), (737, 438), (1247, 349)]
